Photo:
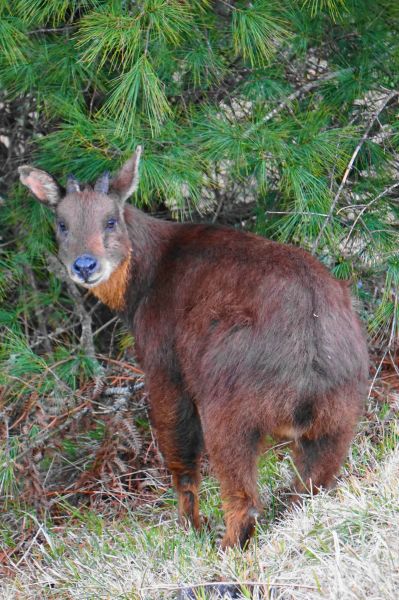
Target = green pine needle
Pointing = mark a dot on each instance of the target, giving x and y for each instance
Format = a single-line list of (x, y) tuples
[(256, 31), (138, 88)]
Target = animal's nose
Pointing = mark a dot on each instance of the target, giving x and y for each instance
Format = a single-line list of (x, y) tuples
[(84, 266)]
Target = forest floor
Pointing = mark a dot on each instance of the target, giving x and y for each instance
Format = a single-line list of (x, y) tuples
[(338, 545)]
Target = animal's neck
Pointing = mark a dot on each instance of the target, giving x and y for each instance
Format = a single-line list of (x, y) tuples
[(113, 291), (128, 283)]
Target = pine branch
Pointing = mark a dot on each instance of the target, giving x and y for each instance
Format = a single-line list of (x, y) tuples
[(348, 169), (307, 87), (385, 192)]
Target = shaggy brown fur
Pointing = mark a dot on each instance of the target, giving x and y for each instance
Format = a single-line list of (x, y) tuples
[(239, 337), (113, 291)]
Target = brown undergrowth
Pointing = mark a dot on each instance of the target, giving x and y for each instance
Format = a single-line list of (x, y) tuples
[(96, 452), (100, 454)]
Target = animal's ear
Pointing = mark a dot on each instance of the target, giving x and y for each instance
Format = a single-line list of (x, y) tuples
[(126, 180), (41, 184)]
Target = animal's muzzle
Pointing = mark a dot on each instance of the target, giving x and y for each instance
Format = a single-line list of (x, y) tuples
[(84, 266)]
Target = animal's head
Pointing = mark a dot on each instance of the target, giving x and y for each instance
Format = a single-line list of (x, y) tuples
[(90, 227)]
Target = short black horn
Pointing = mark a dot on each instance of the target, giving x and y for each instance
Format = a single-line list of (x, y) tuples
[(102, 183), (72, 184)]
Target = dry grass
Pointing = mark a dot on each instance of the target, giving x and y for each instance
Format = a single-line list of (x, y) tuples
[(341, 545)]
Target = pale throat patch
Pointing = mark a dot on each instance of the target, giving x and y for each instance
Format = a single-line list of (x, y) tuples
[(113, 291)]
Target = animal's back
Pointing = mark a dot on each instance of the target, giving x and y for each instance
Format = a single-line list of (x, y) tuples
[(246, 314)]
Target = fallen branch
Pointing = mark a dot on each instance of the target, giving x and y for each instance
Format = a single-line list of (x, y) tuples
[(41, 439), (123, 390)]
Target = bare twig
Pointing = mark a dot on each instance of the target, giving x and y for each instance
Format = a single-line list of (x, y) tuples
[(38, 313), (348, 169), (86, 338), (297, 94), (220, 201), (54, 334), (44, 437), (52, 29), (365, 207), (377, 372), (105, 325), (125, 390)]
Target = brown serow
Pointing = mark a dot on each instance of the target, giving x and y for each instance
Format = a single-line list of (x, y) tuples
[(239, 338)]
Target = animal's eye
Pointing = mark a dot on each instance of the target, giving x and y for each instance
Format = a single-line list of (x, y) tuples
[(62, 226), (110, 224)]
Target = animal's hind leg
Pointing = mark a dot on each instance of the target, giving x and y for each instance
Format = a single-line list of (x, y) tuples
[(233, 450), (318, 460), (179, 436)]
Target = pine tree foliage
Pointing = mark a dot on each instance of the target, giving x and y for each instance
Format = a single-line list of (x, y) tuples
[(278, 116)]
